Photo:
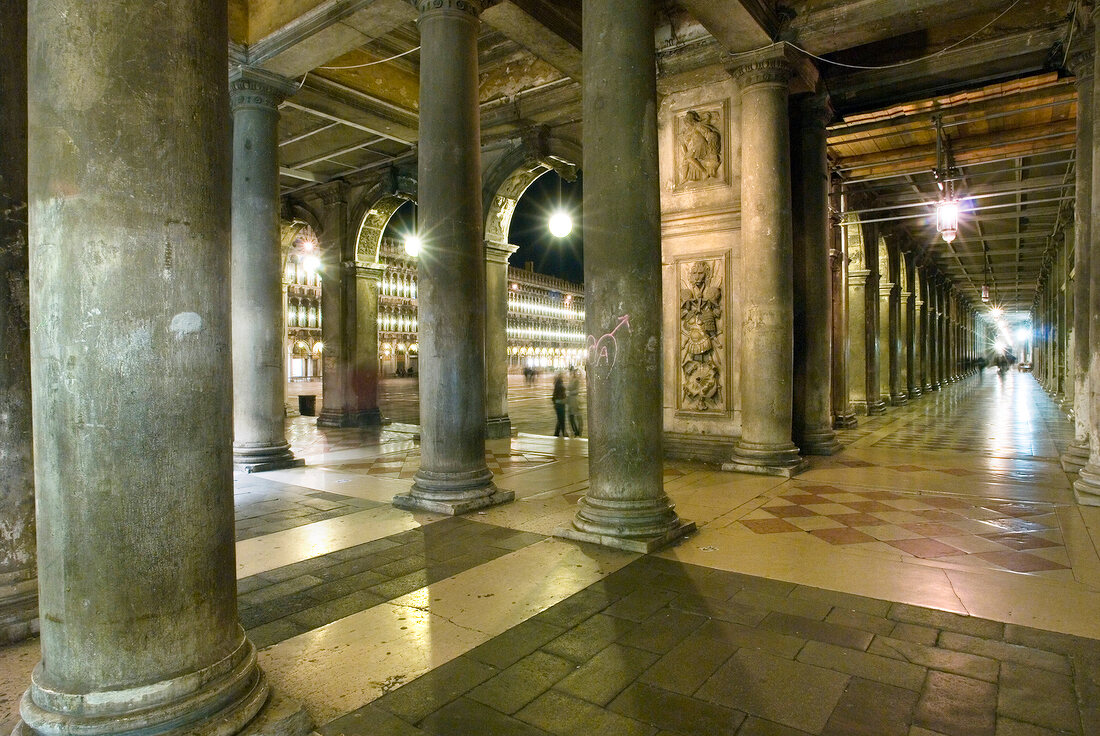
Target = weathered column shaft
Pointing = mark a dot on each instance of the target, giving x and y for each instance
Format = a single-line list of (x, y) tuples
[(18, 586), (362, 322), (338, 309), (129, 193), (843, 416), (887, 372), (259, 373), (766, 253), (858, 309), (812, 410), (916, 371), (1077, 453), (498, 424), (453, 477), (625, 505), (904, 343)]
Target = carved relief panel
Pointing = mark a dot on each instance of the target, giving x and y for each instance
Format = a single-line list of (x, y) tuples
[(702, 355), (701, 155)]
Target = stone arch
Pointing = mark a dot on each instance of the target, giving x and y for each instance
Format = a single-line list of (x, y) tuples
[(507, 180), (368, 240), (855, 243)]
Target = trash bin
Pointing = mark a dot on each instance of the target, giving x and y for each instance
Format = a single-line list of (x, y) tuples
[(307, 405)]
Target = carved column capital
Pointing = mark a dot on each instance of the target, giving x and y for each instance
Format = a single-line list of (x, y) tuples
[(253, 87), (461, 8), (769, 66), (334, 193), (499, 252), (1082, 63)]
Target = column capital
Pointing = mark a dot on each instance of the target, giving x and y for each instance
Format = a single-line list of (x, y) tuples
[(369, 271), (333, 193), (251, 86), (771, 66), (499, 252), (1082, 62), (466, 8), (817, 108), (835, 259)]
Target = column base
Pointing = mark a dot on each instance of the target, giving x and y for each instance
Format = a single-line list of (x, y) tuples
[(260, 458), (636, 525), (1086, 489), (452, 493), (218, 701), (899, 399), (365, 418), (18, 610), (845, 421), (915, 392), (1076, 456), (928, 388), (644, 545), (778, 460), (876, 408), (819, 442), (498, 427), (935, 386)]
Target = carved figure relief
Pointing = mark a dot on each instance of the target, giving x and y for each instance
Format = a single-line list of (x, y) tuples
[(699, 148), (701, 330)]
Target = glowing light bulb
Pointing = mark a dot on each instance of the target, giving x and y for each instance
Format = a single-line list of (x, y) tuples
[(412, 245), (561, 224)]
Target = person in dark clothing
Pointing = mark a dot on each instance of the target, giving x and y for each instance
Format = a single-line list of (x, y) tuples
[(558, 398)]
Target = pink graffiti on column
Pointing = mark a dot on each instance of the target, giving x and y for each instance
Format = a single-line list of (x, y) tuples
[(604, 351)]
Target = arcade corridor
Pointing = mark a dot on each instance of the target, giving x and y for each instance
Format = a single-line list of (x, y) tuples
[(827, 600)]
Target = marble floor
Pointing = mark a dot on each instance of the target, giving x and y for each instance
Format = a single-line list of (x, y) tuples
[(935, 577)]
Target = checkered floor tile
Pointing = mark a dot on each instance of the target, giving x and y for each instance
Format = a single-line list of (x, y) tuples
[(1004, 535)]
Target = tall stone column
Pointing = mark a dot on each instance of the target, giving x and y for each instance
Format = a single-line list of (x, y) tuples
[(259, 380), (843, 415), (129, 193), (766, 253), (913, 339), (858, 332), (890, 373), (362, 321), (453, 477), (337, 309), (927, 310), (625, 505), (812, 409), (18, 583), (934, 345), (497, 422), (1077, 453), (904, 344)]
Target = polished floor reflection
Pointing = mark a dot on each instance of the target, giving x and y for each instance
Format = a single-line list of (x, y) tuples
[(932, 578)]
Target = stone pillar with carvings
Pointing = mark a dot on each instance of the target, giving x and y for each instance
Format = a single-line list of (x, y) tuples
[(259, 383), (843, 415), (812, 409), (129, 193), (888, 340), (453, 477), (625, 506), (766, 260), (904, 342), (497, 422), (18, 583), (916, 338), (1077, 454)]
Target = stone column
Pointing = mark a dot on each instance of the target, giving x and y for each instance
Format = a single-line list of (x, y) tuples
[(129, 193), (1077, 453), (843, 416), (453, 477), (934, 334), (625, 505), (858, 331), (362, 321), (926, 333), (259, 381), (913, 340), (497, 422), (337, 309), (904, 345), (18, 584), (812, 409), (891, 332), (766, 253)]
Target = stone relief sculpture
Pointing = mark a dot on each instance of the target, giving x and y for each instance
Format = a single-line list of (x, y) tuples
[(701, 329), (699, 147)]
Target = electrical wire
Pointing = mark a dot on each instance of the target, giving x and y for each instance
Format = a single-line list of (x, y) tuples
[(380, 61), (911, 61)]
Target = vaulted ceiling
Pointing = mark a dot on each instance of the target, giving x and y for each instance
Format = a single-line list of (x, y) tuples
[(994, 71)]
